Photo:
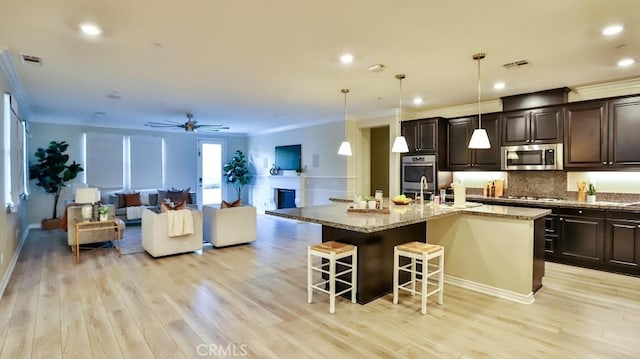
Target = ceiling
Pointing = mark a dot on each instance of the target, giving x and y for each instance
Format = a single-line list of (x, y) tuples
[(258, 66)]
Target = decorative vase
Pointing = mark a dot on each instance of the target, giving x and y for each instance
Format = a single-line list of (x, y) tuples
[(591, 198), (104, 216), (371, 204)]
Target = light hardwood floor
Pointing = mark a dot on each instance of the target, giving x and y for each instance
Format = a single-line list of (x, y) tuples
[(252, 299)]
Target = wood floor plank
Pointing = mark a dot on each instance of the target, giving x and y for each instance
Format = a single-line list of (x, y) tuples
[(253, 298)]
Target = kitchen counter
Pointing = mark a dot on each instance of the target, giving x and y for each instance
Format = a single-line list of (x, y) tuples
[(553, 203), (336, 215), (493, 249)]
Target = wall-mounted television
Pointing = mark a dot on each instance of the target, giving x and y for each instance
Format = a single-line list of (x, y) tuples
[(289, 157)]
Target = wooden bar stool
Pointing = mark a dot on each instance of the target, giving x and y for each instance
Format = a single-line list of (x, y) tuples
[(420, 253), (333, 252)]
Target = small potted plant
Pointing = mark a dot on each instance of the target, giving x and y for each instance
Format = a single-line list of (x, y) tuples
[(591, 193), (104, 213), (300, 170)]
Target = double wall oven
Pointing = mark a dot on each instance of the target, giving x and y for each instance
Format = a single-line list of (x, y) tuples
[(413, 168)]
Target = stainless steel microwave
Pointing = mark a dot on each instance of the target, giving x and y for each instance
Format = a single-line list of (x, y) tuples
[(531, 157)]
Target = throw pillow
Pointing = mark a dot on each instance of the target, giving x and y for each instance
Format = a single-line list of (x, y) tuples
[(132, 199), (171, 206), (178, 195), (121, 202), (226, 204)]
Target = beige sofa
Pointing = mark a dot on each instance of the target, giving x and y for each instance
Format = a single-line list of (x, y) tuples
[(74, 214), (155, 238), (228, 226)]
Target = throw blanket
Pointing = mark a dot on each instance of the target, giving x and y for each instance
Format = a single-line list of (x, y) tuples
[(135, 212), (180, 223)]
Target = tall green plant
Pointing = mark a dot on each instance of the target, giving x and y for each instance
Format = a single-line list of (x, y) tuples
[(237, 172), (52, 171)]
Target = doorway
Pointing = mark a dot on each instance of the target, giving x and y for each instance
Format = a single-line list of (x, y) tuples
[(379, 149), (210, 172)]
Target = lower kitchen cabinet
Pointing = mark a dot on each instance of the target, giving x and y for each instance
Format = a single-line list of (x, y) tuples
[(551, 235), (622, 242), (582, 232)]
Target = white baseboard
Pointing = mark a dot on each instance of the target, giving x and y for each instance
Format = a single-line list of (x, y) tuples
[(14, 260), (34, 226), (493, 291)]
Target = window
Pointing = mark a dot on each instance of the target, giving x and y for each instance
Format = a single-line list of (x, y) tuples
[(146, 154), (15, 161), (104, 160)]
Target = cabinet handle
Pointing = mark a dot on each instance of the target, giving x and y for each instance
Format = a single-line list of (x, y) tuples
[(610, 163), (580, 211), (604, 163), (562, 219)]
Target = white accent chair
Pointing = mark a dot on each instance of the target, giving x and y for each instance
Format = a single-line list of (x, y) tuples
[(74, 215), (229, 226), (155, 239)]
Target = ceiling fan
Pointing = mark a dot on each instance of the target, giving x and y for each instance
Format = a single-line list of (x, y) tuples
[(190, 126)]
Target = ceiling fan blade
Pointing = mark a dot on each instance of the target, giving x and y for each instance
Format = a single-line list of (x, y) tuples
[(161, 124), (211, 125)]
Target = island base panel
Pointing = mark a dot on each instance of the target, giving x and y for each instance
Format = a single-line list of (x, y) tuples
[(375, 256)]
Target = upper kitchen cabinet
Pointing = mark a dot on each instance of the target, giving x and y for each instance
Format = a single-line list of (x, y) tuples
[(603, 134), (427, 136), (535, 126), (460, 157), (424, 135)]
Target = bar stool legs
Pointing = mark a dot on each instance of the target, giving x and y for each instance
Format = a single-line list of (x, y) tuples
[(419, 253), (332, 252)]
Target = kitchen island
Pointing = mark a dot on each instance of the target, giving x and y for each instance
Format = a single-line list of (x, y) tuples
[(497, 250)]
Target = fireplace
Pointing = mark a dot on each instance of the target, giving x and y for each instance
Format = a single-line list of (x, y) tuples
[(285, 198)]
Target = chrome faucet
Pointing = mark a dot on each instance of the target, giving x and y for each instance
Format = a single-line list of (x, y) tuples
[(423, 185)]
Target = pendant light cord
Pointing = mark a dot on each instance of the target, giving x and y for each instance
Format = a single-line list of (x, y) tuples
[(400, 77), (479, 56), (345, 92)]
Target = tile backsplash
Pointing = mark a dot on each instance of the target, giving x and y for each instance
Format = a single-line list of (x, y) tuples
[(550, 184)]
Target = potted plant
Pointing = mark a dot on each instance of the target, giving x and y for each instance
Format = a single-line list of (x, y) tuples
[(104, 213), (300, 170), (591, 193), (237, 172), (52, 173)]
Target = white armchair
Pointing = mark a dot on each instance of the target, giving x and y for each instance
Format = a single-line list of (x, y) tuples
[(155, 234), (228, 226)]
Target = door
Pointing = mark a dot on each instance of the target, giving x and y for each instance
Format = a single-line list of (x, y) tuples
[(624, 132), (582, 238), (515, 128), (459, 134), (410, 132), (623, 243), (546, 125), (428, 135), (210, 180), (489, 159), (379, 160)]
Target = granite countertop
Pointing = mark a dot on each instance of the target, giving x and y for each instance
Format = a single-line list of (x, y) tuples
[(554, 203), (336, 215)]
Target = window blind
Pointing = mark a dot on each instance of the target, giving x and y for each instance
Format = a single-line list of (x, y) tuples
[(146, 162), (104, 160)]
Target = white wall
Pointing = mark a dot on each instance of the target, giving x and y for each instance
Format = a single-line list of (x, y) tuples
[(327, 179), (180, 156)]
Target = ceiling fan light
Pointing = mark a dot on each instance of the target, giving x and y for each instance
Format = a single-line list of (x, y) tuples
[(345, 149), (400, 145), (479, 139)]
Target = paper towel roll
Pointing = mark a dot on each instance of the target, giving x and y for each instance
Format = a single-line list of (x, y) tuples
[(459, 195)]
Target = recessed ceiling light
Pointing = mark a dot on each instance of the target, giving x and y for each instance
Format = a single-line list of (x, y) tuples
[(626, 62), (499, 85), (90, 29), (612, 30), (346, 59), (418, 101)]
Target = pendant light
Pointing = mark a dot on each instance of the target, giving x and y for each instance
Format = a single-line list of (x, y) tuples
[(479, 138), (345, 146), (400, 143)]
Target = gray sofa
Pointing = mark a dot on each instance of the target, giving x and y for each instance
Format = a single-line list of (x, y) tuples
[(117, 200)]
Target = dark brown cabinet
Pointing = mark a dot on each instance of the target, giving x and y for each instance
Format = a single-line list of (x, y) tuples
[(603, 134), (544, 125), (425, 135), (585, 135), (460, 157), (582, 233), (551, 235), (622, 242)]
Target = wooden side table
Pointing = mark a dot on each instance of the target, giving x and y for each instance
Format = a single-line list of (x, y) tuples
[(116, 224)]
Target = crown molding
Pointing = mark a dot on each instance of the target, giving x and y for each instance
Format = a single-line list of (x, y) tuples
[(463, 110), (17, 91), (607, 89)]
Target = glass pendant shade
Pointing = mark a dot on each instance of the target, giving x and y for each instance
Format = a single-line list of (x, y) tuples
[(479, 139), (400, 145), (345, 146), (345, 149)]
